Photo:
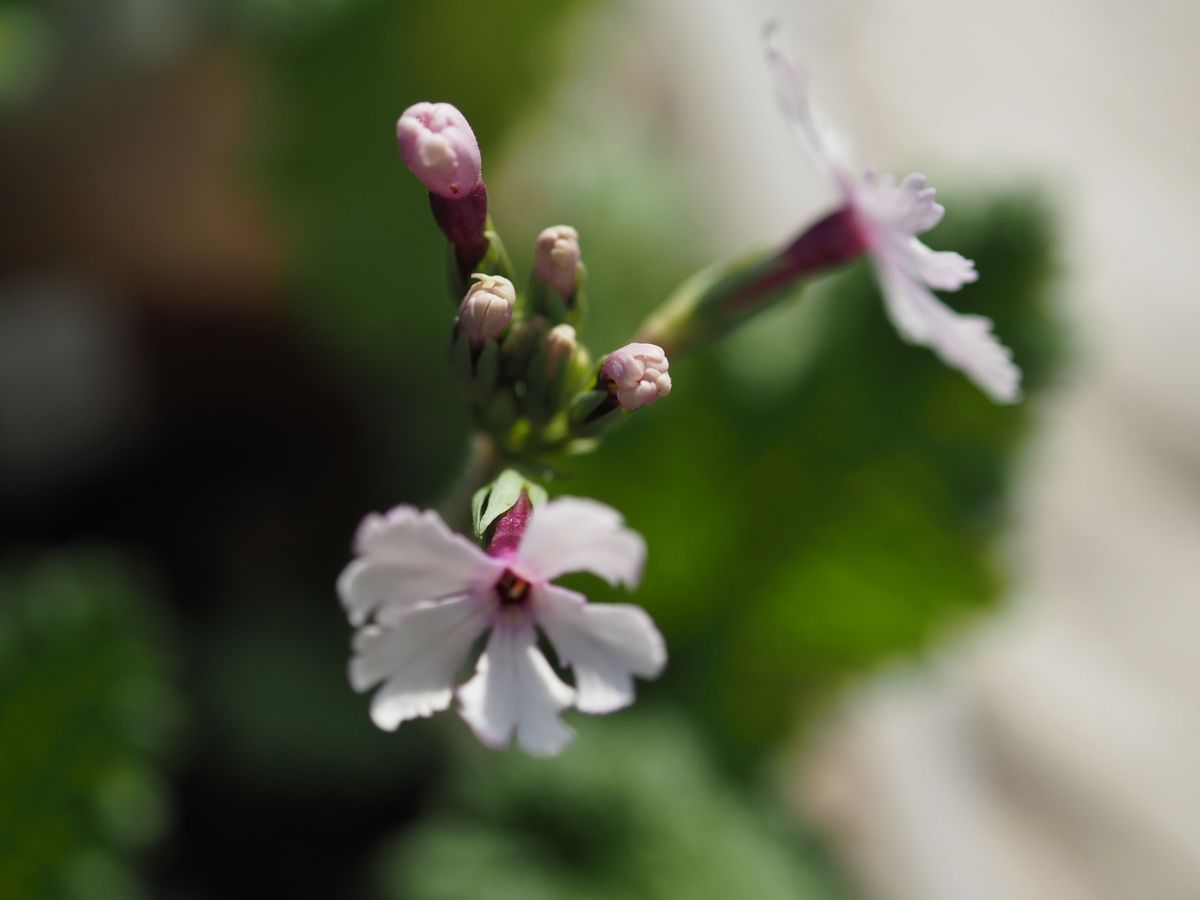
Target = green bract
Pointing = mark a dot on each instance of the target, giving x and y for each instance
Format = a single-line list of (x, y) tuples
[(493, 500)]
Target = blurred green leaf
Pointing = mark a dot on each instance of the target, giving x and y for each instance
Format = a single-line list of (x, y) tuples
[(272, 689), (26, 52), (634, 809), (87, 715)]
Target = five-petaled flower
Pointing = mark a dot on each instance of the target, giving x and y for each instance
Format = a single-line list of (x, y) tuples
[(889, 216), (421, 596)]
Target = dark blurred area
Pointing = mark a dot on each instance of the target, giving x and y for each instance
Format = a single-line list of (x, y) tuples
[(222, 342)]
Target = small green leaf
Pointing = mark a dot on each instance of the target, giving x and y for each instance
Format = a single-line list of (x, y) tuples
[(494, 500), (478, 499)]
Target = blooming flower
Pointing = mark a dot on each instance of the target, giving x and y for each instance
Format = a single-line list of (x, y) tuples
[(637, 374), (889, 216), (439, 146), (421, 596)]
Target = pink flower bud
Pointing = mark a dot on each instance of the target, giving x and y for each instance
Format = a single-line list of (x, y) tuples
[(556, 259), (487, 309), (440, 148), (510, 528), (637, 374)]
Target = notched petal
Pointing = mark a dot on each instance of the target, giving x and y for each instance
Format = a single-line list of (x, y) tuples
[(514, 691), (417, 658), (407, 557), (605, 645)]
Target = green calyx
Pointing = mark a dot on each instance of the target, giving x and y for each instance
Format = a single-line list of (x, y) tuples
[(493, 500)]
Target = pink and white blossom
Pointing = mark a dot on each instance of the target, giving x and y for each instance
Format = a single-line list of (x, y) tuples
[(421, 597), (637, 374), (439, 147), (889, 216)]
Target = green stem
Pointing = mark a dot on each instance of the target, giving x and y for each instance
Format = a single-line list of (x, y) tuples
[(483, 464)]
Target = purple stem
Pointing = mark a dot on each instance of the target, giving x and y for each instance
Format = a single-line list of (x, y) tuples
[(835, 239), (463, 222)]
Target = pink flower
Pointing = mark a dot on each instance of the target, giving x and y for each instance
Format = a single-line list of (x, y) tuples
[(889, 217), (637, 374), (421, 596), (440, 148)]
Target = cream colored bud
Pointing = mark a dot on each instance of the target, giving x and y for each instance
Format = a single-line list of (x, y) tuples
[(488, 307), (556, 259), (560, 346)]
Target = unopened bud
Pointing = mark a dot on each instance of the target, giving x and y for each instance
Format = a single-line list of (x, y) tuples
[(487, 309), (440, 148), (556, 259), (636, 374), (560, 346)]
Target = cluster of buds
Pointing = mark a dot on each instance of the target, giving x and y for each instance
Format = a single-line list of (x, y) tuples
[(419, 595), (517, 355)]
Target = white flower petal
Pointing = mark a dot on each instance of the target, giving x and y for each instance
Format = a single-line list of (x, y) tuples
[(605, 644), (825, 146), (514, 689), (901, 210), (419, 657), (942, 270), (965, 342), (572, 534), (405, 557)]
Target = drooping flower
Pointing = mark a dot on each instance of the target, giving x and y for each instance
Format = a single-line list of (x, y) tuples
[(421, 596), (636, 374), (889, 216)]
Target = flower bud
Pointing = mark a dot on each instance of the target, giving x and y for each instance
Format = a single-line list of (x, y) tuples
[(439, 147), (636, 374), (487, 309), (559, 345), (556, 259)]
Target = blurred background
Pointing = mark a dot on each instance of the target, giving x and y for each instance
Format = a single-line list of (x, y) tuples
[(922, 647)]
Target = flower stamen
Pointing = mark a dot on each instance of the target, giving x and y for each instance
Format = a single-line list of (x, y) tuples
[(511, 589)]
